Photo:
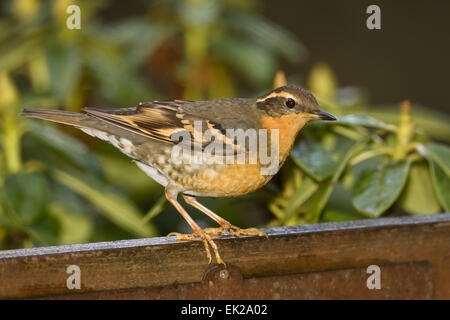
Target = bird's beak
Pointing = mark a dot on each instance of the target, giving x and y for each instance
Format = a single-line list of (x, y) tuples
[(323, 115)]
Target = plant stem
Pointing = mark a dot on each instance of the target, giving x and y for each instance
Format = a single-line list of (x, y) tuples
[(11, 143), (348, 133), (11, 131), (156, 209), (405, 131), (370, 154)]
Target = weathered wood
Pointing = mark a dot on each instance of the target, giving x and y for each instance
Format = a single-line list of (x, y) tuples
[(327, 260)]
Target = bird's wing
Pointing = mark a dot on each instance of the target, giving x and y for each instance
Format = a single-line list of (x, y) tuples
[(164, 121)]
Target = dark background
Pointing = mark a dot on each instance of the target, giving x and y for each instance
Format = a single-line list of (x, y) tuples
[(406, 59)]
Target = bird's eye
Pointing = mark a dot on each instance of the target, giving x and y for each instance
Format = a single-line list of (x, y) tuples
[(290, 103)]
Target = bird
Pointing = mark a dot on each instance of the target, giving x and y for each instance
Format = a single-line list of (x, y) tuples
[(146, 134)]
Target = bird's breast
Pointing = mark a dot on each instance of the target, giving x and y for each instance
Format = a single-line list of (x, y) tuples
[(224, 180), (203, 179), (288, 127)]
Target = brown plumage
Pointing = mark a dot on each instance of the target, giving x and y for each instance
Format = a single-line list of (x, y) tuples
[(146, 134)]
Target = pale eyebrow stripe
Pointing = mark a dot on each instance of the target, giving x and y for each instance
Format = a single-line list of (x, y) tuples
[(276, 94)]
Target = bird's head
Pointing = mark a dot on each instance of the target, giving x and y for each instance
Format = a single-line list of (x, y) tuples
[(292, 102)]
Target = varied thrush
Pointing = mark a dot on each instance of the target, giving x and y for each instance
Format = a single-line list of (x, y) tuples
[(145, 133)]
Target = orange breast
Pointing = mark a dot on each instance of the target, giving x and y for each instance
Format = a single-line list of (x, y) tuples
[(288, 125), (237, 179), (231, 180)]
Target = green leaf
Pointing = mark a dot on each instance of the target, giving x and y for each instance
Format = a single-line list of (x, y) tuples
[(116, 167), (26, 196), (74, 227), (441, 183), (377, 188), (71, 148), (320, 198), (116, 209), (44, 232), (65, 68), (330, 215), (117, 80), (434, 123), (318, 201), (438, 156), (313, 158), (199, 13), (365, 121), (16, 51), (307, 187), (268, 35), (137, 37), (156, 209), (419, 196), (256, 65), (440, 153)]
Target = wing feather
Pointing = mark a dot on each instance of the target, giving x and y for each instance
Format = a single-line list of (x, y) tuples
[(160, 120)]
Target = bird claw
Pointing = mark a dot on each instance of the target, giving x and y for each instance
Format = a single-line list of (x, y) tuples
[(236, 231), (206, 236), (207, 242), (182, 236), (249, 232)]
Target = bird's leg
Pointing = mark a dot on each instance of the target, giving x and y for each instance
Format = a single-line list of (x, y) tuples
[(224, 224), (198, 232)]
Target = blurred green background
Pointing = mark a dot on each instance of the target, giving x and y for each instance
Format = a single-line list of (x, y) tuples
[(60, 186)]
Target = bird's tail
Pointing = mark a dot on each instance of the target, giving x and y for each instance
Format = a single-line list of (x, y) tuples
[(65, 117), (83, 121)]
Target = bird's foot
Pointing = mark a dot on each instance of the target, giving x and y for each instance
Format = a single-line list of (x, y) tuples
[(234, 231), (207, 242)]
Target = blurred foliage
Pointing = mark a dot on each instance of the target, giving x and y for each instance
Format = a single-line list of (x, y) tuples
[(55, 189), (59, 186)]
